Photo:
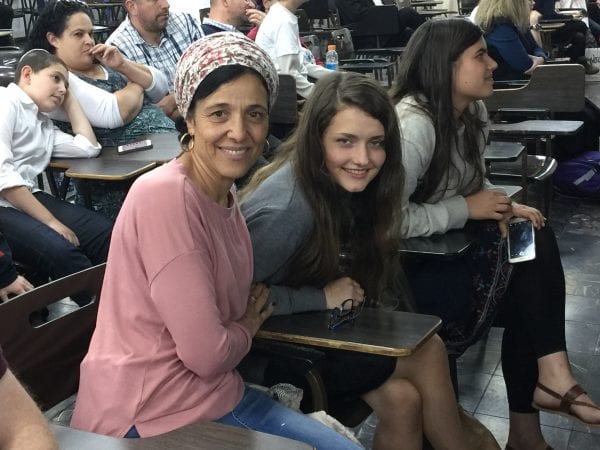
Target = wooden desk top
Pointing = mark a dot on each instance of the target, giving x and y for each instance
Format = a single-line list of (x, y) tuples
[(198, 436), (389, 333), (503, 151), (536, 128), (451, 244), (102, 169)]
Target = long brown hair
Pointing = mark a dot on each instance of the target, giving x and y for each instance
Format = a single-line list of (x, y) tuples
[(366, 222), (427, 72)]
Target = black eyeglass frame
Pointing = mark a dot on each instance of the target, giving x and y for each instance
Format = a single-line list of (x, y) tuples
[(341, 315)]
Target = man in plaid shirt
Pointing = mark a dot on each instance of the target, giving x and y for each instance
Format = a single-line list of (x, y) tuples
[(152, 35)]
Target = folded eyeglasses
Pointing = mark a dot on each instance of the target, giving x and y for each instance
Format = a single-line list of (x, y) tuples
[(344, 313)]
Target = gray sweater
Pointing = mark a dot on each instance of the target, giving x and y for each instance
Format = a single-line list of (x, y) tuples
[(446, 209), (280, 222)]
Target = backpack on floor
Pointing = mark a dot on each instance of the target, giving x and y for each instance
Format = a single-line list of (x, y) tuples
[(579, 176)]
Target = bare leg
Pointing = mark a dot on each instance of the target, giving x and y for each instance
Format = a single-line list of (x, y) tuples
[(427, 369), (397, 404), (555, 373)]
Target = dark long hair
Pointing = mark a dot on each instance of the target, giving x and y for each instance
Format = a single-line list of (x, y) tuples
[(427, 72), (365, 222), (53, 19)]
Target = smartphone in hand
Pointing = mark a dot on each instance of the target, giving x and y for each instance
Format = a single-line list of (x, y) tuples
[(134, 146), (521, 240)]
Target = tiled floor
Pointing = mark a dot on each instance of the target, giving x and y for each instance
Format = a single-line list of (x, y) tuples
[(482, 391)]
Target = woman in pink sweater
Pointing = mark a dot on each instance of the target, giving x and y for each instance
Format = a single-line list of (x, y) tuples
[(178, 310)]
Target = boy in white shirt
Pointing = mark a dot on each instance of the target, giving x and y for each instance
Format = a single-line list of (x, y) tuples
[(278, 35), (53, 236)]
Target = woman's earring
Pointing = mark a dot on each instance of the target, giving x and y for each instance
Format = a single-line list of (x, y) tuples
[(266, 147), (187, 141)]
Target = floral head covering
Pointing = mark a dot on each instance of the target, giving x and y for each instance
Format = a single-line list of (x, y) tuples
[(214, 51)]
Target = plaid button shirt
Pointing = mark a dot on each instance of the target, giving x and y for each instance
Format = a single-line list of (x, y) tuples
[(181, 31)]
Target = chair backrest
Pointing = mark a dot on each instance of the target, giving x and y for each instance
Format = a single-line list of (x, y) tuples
[(378, 21), (316, 9), (466, 6), (303, 22), (553, 87), (284, 113), (46, 358), (10, 55), (344, 46)]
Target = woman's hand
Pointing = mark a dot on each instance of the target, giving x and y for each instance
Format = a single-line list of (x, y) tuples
[(535, 61), (342, 289), (19, 286), (257, 310), (488, 205), (108, 55), (527, 212), (64, 231)]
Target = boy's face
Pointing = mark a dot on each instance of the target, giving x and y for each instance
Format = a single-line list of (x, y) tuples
[(47, 87)]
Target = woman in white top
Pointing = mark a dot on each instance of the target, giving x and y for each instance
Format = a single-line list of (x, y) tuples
[(55, 237)]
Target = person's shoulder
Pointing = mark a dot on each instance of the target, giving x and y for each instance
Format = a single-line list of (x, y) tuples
[(410, 107), (503, 26), (184, 24), (12, 96), (125, 30), (278, 192), (162, 179), (279, 13)]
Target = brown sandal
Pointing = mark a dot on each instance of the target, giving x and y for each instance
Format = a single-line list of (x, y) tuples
[(566, 401)]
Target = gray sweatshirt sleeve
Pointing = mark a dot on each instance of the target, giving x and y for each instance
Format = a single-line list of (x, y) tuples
[(418, 143), (277, 234)]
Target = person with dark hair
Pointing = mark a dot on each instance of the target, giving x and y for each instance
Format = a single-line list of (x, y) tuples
[(353, 11), (322, 220), (444, 73), (48, 234), (505, 25), (178, 308), (22, 425)]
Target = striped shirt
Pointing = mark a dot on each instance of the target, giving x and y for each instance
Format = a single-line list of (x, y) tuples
[(181, 31), (210, 26)]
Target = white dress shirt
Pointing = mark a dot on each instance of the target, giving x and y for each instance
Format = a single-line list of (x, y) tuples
[(28, 139)]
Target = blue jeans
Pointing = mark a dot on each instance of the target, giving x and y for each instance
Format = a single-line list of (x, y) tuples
[(257, 411), (39, 246)]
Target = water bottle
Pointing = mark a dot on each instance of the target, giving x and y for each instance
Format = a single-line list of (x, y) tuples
[(331, 58)]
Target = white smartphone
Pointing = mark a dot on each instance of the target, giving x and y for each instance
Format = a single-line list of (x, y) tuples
[(134, 146), (521, 240)]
